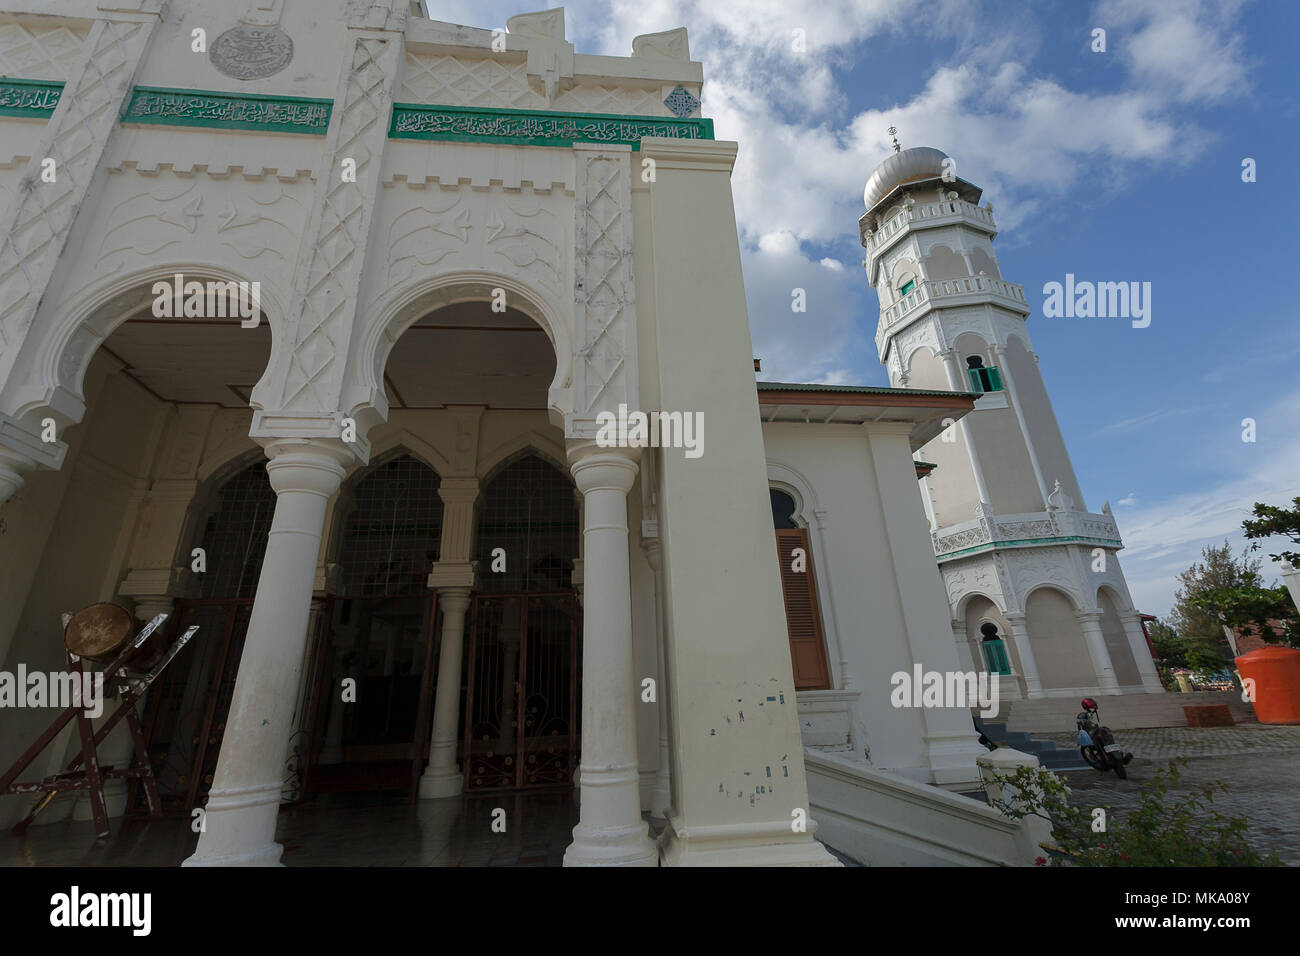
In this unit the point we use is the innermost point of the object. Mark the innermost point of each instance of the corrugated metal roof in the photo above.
(855, 389)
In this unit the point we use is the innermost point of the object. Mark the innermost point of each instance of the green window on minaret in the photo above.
(984, 379)
(908, 286)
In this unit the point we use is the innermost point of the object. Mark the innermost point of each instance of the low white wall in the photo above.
(880, 819)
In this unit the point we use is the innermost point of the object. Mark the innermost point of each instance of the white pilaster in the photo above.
(1090, 622)
(958, 384)
(661, 796)
(1009, 385)
(1137, 642)
(1029, 669)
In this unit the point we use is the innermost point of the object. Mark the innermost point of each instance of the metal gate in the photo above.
(185, 718)
(522, 698)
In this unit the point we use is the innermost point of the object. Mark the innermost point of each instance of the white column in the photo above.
(441, 777)
(1137, 642)
(1090, 621)
(610, 831)
(958, 383)
(661, 796)
(1029, 669)
(239, 826)
(965, 659)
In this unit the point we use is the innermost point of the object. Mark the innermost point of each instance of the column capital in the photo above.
(453, 600)
(314, 465)
(458, 490)
(22, 452)
(1088, 615)
(594, 467)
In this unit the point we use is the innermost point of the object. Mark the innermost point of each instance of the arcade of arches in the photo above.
(443, 647)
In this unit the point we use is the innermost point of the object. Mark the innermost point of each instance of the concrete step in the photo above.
(1050, 756)
(1119, 712)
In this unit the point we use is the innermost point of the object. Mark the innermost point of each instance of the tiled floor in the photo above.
(338, 830)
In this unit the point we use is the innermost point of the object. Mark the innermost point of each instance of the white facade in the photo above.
(381, 237)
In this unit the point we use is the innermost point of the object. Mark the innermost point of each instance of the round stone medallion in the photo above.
(251, 53)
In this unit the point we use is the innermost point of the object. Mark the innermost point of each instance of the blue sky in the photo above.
(1115, 166)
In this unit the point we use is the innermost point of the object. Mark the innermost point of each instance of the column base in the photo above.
(742, 844)
(436, 786)
(624, 846)
(661, 798)
(239, 828)
(266, 856)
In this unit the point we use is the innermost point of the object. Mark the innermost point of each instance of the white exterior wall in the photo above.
(882, 600)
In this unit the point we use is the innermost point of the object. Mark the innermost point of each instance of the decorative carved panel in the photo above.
(604, 297)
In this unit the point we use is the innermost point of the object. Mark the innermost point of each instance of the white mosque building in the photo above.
(460, 252)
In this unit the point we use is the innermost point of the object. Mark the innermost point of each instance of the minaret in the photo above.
(1011, 532)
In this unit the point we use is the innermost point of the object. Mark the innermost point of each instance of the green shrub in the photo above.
(1178, 829)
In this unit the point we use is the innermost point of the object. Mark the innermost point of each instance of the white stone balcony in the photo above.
(946, 294)
(1025, 530)
(875, 241)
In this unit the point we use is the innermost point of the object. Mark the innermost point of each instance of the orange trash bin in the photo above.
(1276, 673)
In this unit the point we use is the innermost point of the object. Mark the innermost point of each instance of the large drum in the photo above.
(99, 633)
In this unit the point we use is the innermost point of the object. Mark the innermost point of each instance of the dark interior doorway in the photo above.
(522, 702)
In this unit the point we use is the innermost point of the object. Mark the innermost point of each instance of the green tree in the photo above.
(1168, 645)
(1206, 647)
(1270, 520)
(1267, 613)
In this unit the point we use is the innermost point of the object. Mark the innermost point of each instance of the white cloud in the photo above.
(1128, 500)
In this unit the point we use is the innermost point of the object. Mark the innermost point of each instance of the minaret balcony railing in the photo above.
(930, 214)
(1035, 529)
(948, 293)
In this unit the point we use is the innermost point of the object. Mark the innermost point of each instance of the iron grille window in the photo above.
(234, 539)
(394, 530)
(529, 511)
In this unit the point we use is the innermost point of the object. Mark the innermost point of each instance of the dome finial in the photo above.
(893, 131)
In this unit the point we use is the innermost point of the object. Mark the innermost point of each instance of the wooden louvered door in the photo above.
(803, 620)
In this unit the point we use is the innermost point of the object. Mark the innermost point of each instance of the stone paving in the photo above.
(1259, 764)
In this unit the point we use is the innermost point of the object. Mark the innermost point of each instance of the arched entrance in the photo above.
(522, 703)
(373, 667)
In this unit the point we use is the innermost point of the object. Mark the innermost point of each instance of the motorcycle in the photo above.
(1097, 744)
